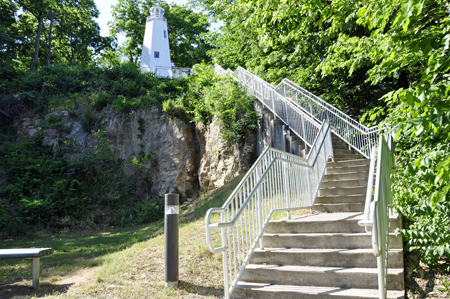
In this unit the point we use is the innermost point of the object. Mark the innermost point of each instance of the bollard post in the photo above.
(171, 240)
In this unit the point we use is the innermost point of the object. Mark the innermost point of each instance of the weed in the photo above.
(88, 119)
(444, 287)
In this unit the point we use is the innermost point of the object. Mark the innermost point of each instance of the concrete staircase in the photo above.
(325, 254)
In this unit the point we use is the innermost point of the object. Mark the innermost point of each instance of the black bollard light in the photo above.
(171, 240)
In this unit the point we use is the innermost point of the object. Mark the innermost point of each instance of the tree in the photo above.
(77, 35)
(38, 8)
(392, 56)
(279, 39)
(187, 30)
(7, 38)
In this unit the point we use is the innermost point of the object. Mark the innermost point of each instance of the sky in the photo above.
(105, 8)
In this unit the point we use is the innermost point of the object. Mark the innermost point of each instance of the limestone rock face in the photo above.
(172, 141)
(219, 163)
(186, 156)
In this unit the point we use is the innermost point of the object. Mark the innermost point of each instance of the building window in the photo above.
(156, 54)
(165, 36)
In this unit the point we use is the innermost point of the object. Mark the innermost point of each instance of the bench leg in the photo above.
(35, 272)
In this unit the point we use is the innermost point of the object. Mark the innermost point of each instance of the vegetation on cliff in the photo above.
(58, 187)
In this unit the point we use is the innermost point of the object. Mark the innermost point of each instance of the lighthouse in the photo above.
(155, 56)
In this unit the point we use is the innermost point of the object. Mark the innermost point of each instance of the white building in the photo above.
(155, 56)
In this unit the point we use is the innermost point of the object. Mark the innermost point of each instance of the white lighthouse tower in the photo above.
(155, 51)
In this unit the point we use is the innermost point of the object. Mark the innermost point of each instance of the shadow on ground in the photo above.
(21, 291)
(198, 289)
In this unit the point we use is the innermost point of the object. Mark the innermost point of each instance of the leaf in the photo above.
(439, 196)
(444, 163)
(417, 163)
(397, 130)
(410, 98)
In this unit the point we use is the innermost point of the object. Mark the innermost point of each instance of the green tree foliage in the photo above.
(409, 42)
(389, 59)
(77, 34)
(7, 34)
(280, 39)
(209, 95)
(187, 30)
(25, 26)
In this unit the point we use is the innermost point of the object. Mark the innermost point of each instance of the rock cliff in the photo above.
(186, 156)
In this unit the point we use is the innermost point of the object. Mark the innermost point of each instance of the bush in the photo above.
(43, 187)
(88, 119)
(211, 95)
(123, 87)
(416, 194)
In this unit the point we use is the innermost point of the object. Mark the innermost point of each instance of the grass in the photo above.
(73, 251)
(128, 263)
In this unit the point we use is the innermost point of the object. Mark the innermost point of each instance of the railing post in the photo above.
(287, 111)
(303, 129)
(260, 216)
(309, 186)
(286, 190)
(273, 103)
(262, 96)
(226, 286)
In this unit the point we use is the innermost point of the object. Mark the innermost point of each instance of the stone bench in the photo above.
(32, 253)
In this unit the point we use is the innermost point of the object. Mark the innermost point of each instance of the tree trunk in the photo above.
(50, 39)
(38, 38)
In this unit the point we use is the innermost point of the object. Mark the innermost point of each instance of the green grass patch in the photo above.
(129, 259)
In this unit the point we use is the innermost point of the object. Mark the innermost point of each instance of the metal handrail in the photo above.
(376, 212)
(299, 122)
(272, 184)
(356, 135)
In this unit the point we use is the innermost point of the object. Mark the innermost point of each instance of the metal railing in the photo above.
(278, 181)
(376, 212)
(358, 136)
(299, 122)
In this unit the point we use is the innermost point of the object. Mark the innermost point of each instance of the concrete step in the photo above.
(324, 223)
(322, 276)
(346, 175)
(253, 290)
(338, 207)
(340, 199)
(356, 162)
(333, 168)
(341, 146)
(341, 157)
(342, 190)
(328, 240)
(343, 183)
(363, 258)
(346, 151)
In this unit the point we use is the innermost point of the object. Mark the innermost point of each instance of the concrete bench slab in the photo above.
(30, 253)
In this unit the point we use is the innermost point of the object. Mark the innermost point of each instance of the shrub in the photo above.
(210, 95)
(88, 119)
(43, 187)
